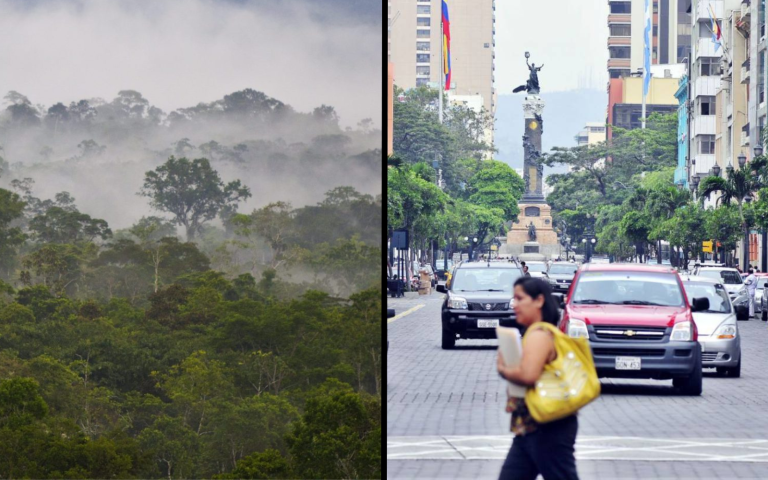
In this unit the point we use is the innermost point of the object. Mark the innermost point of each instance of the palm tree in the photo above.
(738, 185)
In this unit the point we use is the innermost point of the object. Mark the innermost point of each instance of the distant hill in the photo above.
(565, 114)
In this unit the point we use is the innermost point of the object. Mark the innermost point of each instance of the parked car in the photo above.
(638, 321)
(478, 299)
(537, 269)
(561, 275)
(762, 280)
(717, 327)
(732, 281)
(442, 272)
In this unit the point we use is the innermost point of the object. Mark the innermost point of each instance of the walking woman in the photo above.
(548, 448)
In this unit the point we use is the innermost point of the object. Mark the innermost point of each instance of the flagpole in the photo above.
(442, 74)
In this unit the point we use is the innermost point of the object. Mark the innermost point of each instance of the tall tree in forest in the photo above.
(192, 191)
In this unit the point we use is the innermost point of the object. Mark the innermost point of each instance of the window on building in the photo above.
(423, 21)
(421, 9)
(707, 144)
(655, 7)
(619, 73)
(619, 52)
(655, 53)
(422, 46)
(422, 58)
(620, 30)
(422, 33)
(422, 81)
(707, 105)
(621, 7)
(709, 66)
(655, 30)
(422, 71)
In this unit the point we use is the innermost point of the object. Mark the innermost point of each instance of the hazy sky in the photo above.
(178, 53)
(567, 36)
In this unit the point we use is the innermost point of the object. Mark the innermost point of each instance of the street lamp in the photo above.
(742, 160)
(729, 168)
(758, 149)
(716, 170)
(471, 246)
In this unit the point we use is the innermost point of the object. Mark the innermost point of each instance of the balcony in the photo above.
(618, 63)
(745, 72)
(706, 86)
(704, 162)
(746, 10)
(703, 125)
(706, 48)
(702, 10)
(619, 18)
(619, 41)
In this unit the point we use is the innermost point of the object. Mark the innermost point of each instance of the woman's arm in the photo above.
(536, 350)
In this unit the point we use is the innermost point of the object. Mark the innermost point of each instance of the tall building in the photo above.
(414, 45)
(670, 40)
(593, 133)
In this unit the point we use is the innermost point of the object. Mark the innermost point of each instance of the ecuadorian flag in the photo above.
(446, 46)
(716, 33)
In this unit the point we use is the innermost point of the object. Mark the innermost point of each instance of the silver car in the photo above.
(561, 275)
(717, 327)
(537, 269)
(731, 279)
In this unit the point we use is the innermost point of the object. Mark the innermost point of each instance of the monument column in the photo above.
(533, 172)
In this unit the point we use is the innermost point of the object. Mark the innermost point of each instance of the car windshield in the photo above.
(718, 297)
(485, 279)
(728, 277)
(536, 267)
(628, 288)
(562, 268)
(761, 281)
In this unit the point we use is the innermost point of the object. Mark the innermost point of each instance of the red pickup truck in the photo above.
(639, 323)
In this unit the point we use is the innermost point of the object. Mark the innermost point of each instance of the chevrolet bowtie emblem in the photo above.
(487, 306)
(630, 333)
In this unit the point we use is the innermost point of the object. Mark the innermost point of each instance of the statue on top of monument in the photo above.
(532, 85)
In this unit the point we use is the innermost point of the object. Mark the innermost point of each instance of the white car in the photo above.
(537, 269)
(718, 331)
(731, 279)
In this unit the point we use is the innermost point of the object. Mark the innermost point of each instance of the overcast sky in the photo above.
(567, 36)
(181, 52)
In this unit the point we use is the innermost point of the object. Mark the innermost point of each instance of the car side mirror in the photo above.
(390, 312)
(700, 304)
(441, 288)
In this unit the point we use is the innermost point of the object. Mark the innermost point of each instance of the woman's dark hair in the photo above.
(535, 287)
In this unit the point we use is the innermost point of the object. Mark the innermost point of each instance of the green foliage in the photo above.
(191, 191)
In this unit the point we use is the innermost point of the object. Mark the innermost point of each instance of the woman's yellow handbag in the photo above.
(567, 383)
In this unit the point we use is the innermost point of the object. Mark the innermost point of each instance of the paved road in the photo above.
(446, 419)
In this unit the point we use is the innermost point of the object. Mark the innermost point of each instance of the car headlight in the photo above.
(577, 329)
(457, 303)
(726, 331)
(682, 332)
(511, 303)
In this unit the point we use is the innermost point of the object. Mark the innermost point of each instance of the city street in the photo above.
(446, 419)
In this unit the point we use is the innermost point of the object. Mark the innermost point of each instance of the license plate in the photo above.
(487, 323)
(627, 363)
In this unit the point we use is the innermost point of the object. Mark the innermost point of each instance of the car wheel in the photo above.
(449, 340)
(690, 385)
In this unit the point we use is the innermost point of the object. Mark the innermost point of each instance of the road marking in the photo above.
(496, 447)
(407, 312)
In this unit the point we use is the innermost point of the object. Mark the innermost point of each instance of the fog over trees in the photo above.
(188, 294)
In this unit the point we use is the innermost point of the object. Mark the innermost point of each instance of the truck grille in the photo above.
(627, 352)
(494, 307)
(643, 334)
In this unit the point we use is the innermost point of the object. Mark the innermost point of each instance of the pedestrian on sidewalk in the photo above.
(751, 283)
(547, 448)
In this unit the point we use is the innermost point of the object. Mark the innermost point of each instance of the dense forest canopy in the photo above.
(191, 294)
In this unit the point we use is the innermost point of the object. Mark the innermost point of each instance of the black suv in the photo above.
(479, 298)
